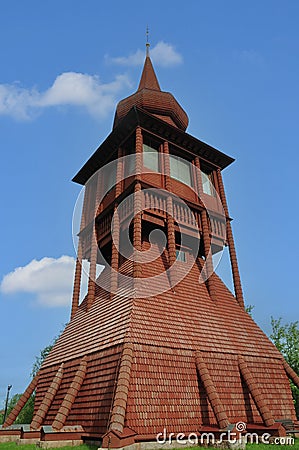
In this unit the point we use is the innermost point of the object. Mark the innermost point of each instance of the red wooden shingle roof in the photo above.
(165, 331)
(150, 98)
(186, 319)
(148, 79)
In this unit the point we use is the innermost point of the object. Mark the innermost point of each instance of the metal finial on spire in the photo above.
(147, 42)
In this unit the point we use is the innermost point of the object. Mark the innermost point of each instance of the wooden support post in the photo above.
(41, 413)
(118, 413)
(21, 403)
(210, 389)
(78, 268)
(137, 230)
(77, 280)
(119, 173)
(291, 373)
(92, 271)
(114, 253)
(115, 230)
(255, 392)
(138, 152)
(94, 247)
(137, 221)
(70, 396)
(169, 216)
(231, 244)
(210, 282)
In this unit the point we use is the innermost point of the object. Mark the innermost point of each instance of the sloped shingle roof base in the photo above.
(161, 385)
(142, 373)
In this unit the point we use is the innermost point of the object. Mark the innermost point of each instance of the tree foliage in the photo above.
(40, 358)
(286, 339)
(26, 413)
(249, 309)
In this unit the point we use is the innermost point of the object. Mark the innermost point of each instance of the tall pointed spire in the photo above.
(148, 78)
(150, 98)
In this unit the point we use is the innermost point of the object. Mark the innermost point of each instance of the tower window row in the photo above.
(179, 169)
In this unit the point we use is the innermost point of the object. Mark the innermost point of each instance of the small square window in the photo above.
(181, 256)
(180, 170)
(207, 184)
(150, 158)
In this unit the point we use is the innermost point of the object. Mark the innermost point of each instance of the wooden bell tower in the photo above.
(189, 197)
(159, 342)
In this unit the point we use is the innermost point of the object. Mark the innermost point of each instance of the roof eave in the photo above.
(136, 116)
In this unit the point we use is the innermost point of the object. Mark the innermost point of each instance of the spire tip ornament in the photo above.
(147, 42)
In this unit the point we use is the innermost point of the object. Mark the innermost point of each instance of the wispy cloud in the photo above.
(49, 280)
(69, 89)
(81, 90)
(163, 54)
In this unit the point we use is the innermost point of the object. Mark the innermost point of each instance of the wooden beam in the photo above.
(21, 403)
(291, 373)
(118, 413)
(209, 269)
(169, 217)
(70, 396)
(231, 244)
(255, 392)
(211, 391)
(47, 400)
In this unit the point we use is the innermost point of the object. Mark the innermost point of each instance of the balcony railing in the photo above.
(155, 203)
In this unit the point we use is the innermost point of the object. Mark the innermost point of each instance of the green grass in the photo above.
(14, 446)
(266, 446)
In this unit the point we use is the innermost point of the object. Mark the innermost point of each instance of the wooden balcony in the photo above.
(154, 209)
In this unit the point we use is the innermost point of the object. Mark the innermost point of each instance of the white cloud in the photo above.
(69, 89)
(134, 59)
(163, 54)
(49, 280)
(16, 101)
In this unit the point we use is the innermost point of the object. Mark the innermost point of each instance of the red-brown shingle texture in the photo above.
(165, 331)
(150, 98)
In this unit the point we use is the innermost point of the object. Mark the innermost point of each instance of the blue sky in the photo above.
(234, 68)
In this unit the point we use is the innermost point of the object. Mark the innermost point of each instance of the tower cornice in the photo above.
(138, 117)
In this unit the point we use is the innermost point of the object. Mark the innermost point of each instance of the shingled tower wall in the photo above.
(140, 353)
